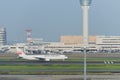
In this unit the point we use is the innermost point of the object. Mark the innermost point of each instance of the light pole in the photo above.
(85, 6)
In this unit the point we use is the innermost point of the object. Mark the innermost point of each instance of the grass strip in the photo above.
(34, 69)
(60, 67)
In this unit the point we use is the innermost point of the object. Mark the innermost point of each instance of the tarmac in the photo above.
(59, 77)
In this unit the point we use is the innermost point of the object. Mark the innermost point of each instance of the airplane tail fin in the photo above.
(19, 51)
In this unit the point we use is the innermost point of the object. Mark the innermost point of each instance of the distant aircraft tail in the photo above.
(19, 51)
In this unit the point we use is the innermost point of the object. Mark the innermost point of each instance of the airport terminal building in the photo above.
(75, 43)
(96, 43)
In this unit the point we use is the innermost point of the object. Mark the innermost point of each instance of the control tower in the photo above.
(85, 7)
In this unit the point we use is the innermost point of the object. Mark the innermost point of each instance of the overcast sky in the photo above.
(49, 19)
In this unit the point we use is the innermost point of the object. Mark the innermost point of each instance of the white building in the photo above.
(108, 42)
(3, 40)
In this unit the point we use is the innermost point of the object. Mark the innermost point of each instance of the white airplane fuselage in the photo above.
(46, 57)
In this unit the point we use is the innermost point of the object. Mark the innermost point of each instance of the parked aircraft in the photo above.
(3, 49)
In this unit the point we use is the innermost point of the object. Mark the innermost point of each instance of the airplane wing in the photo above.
(44, 59)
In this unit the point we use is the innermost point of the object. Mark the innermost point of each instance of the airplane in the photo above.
(4, 49)
(44, 56)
